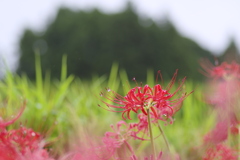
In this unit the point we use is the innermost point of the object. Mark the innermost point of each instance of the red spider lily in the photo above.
(158, 100)
(114, 146)
(22, 143)
(118, 137)
(159, 157)
(220, 152)
(218, 134)
(221, 132)
(4, 124)
(224, 95)
(26, 139)
(140, 129)
(222, 71)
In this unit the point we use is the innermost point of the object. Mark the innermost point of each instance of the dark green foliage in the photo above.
(93, 41)
(230, 54)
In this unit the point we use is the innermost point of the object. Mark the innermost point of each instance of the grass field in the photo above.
(65, 109)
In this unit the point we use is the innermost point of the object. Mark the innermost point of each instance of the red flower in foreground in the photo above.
(119, 135)
(22, 143)
(158, 100)
(4, 124)
(114, 146)
(218, 134)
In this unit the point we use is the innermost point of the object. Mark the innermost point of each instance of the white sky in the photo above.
(209, 22)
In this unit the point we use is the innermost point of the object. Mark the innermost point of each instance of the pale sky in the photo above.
(208, 22)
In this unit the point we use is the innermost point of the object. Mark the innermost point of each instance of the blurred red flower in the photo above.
(22, 143)
(222, 71)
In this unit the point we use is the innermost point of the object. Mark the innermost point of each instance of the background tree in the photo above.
(93, 41)
(231, 53)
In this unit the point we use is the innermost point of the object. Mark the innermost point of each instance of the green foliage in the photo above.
(230, 54)
(93, 41)
(67, 105)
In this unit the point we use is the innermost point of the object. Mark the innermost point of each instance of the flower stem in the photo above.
(164, 137)
(151, 135)
(130, 148)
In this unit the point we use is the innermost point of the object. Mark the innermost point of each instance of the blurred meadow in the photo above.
(64, 68)
(66, 108)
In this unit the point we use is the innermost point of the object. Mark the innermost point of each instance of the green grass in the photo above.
(70, 104)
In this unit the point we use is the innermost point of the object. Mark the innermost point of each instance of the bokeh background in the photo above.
(138, 34)
(63, 53)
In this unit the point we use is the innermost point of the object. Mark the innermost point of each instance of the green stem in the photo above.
(164, 137)
(151, 135)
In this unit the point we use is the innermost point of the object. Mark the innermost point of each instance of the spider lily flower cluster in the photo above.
(223, 71)
(224, 96)
(22, 143)
(151, 104)
(157, 100)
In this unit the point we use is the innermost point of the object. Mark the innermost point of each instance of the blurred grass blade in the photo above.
(39, 81)
(64, 68)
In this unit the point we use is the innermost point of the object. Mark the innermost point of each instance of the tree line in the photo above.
(93, 41)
